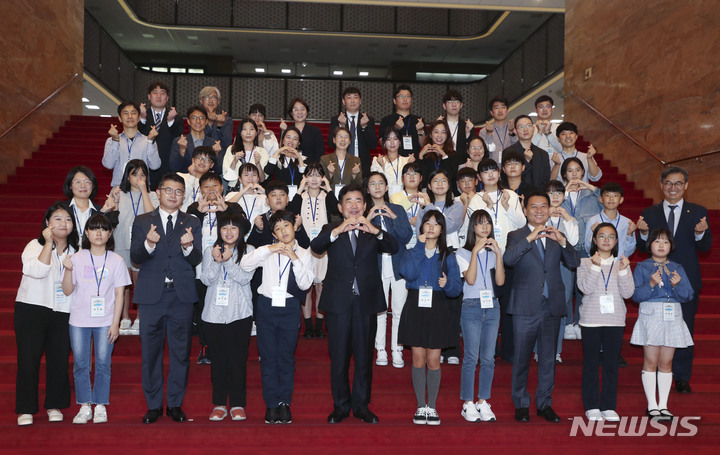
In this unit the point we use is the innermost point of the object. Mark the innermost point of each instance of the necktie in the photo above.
(168, 239)
(541, 249)
(671, 219)
(353, 242)
(158, 120)
(353, 135)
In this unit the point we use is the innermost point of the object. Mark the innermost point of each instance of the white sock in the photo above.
(649, 383)
(664, 383)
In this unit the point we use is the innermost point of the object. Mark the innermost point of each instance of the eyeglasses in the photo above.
(477, 148)
(403, 97)
(453, 102)
(202, 159)
(543, 106)
(606, 237)
(210, 97)
(524, 127)
(197, 117)
(82, 183)
(677, 185)
(169, 191)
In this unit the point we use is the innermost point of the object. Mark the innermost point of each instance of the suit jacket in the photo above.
(346, 178)
(530, 273)
(153, 267)
(164, 140)
(344, 267)
(390, 120)
(537, 171)
(367, 139)
(179, 163)
(686, 248)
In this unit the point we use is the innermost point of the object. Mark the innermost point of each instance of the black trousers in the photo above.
(197, 312)
(610, 339)
(683, 358)
(41, 330)
(228, 353)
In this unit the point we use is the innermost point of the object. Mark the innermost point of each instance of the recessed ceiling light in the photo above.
(556, 120)
(105, 115)
(532, 114)
(148, 35)
(285, 71)
(92, 106)
(259, 70)
(337, 73)
(363, 73)
(192, 37)
(85, 100)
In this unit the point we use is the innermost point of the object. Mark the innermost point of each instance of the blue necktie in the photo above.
(541, 250)
(353, 243)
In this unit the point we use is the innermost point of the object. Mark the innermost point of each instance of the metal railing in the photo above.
(41, 104)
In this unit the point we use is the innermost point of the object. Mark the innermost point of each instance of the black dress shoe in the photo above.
(548, 413)
(366, 415)
(284, 414)
(152, 415)
(682, 387)
(522, 414)
(176, 413)
(308, 333)
(337, 416)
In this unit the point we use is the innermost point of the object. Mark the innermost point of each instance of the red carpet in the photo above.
(23, 202)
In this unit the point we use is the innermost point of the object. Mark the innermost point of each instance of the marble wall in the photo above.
(654, 73)
(42, 48)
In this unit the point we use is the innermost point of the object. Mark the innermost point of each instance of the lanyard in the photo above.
(607, 281)
(251, 210)
(98, 281)
(292, 173)
(342, 167)
(80, 227)
(406, 120)
(313, 207)
(396, 171)
(502, 142)
(62, 267)
(570, 202)
(129, 142)
(669, 297)
(574, 155)
(436, 162)
(223, 266)
(412, 212)
(132, 202)
(249, 156)
(617, 222)
(553, 224)
(282, 272)
(426, 266)
(454, 134)
(210, 220)
(195, 192)
(482, 271)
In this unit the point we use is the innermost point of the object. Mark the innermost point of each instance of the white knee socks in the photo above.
(649, 383)
(664, 381)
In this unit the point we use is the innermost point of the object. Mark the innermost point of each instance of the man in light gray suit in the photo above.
(537, 302)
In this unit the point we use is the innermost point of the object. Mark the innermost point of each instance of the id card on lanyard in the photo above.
(279, 291)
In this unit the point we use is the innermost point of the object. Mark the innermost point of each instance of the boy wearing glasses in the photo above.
(166, 245)
(545, 136)
(412, 126)
(203, 161)
(181, 153)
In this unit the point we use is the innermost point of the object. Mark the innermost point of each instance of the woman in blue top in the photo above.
(480, 261)
(427, 321)
(393, 219)
(660, 287)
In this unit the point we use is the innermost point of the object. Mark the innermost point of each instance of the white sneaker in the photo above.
(558, 359)
(397, 358)
(25, 419)
(125, 327)
(578, 333)
(135, 329)
(610, 415)
(452, 360)
(420, 417)
(470, 413)
(382, 358)
(442, 359)
(594, 414)
(432, 416)
(54, 415)
(486, 413)
(253, 331)
(100, 414)
(569, 332)
(535, 356)
(84, 415)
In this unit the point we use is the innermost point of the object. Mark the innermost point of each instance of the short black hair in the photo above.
(661, 232)
(513, 156)
(98, 221)
(257, 108)
(543, 98)
(281, 215)
(173, 177)
(674, 170)
(414, 166)
(612, 187)
(351, 90)
(205, 150)
(538, 194)
(400, 88)
(198, 108)
(209, 176)
(125, 104)
(452, 94)
(316, 167)
(72, 238)
(274, 185)
(158, 84)
(466, 172)
(593, 245)
(497, 99)
(566, 126)
(522, 116)
(488, 164)
(67, 186)
(131, 168)
(248, 167)
(566, 163)
(294, 101)
(348, 189)
(554, 185)
(235, 218)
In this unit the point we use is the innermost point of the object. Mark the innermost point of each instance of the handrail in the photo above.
(589, 106)
(41, 104)
(698, 157)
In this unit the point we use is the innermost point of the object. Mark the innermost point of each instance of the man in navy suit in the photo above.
(361, 126)
(352, 297)
(537, 302)
(689, 224)
(167, 245)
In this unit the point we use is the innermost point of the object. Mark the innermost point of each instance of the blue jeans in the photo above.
(81, 343)
(480, 330)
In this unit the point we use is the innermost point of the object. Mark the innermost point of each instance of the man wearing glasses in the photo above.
(410, 125)
(544, 136)
(183, 147)
(537, 167)
(689, 226)
(166, 244)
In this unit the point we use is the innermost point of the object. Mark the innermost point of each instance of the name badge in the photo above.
(395, 188)
(491, 147)
(497, 230)
(97, 307)
(486, 299)
(669, 311)
(607, 304)
(209, 242)
(313, 232)
(292, 191)
(222, 296)
(278, 296)
(60, 296)
(407, 142)
(413, 240)
(425, 297)
(338, 187)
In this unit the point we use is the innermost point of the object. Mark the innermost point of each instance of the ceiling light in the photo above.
(337, 73)
(148, 35)
(286, 71)
(192, 37)
(196, 71)
(555, 121)
(259, 70)
(532, 114)
(105, 115)
(363, 73)
(85, 100)
(92, 106)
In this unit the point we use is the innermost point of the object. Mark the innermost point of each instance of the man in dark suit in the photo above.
(536, 171)
(689, 224)
(182, 148)
(167, 245)
(363, 138)
(164, 122)
(537, 302)
(352, 297)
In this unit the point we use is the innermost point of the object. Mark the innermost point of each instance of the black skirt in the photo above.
(433, 328)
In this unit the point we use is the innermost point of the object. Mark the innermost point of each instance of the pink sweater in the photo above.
(590, 282)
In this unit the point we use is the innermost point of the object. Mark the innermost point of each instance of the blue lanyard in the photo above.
(129, 141)
(482, 271)
(436, 162)
(572, 206)
(132, 202)
(412, 212)
(454, 134)
(292, 173)
(406, 120)
(99, 280)
(502, 142)
(249, 156)
(195, 192)
(617, 222)
(607, 281)
(249, 213)
(553, 224)
(210, 220)
(282, 272)
(62, 267)
(669, 297)
(396, 171)
(77, 219)
(426, 266)
(223, 266)
(313, 210)
(342, 167)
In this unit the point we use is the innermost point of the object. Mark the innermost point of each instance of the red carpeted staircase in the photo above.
(38, 183)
